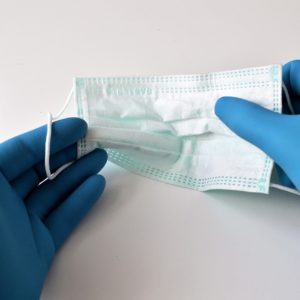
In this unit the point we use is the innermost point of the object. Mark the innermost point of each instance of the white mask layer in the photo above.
(165, 128)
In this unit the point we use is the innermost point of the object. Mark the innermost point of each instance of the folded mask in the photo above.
(165, 128)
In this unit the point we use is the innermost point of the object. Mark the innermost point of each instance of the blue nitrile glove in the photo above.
(278, 135)
(35, 220)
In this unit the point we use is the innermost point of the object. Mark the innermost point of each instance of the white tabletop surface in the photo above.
(147, 240)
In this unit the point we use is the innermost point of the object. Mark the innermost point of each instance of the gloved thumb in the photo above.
(276, 134)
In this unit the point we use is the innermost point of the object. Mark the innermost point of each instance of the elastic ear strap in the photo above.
(288, 99)
(50, 120)
(284, 188)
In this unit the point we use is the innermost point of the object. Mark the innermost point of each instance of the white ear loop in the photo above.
(51, 118)
(288, 99)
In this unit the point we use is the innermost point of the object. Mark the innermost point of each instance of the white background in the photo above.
(144, 239)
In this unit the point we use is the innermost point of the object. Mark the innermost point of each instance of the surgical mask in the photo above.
(165, 128)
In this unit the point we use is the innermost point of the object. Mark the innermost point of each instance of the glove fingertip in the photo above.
(223, 106)
(98, 184)
(71, 125)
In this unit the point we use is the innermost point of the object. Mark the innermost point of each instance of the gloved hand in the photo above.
(278, 135)
(35, 220)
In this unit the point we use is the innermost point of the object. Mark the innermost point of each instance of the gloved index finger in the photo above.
(24, 151)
